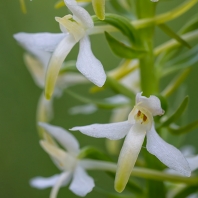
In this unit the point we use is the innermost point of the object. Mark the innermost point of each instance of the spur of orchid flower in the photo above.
(140, 124)
(73, 169)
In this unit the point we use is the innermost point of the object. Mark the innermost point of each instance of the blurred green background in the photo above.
(21, 156)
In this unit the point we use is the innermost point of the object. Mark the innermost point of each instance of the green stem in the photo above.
(139, 172)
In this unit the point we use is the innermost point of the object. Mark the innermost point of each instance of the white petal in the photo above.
(166, 153)
(59, 55)
(80, 13)
(89, 65)
(152, 103)
(82, 183)
(44, 182)
(62, 180)
(128, 156)
(67, 140)
(83, 109)
(43, 41)
(112, 131)
(193, 162)
(69, 79)
(117, 99)
(44, 109)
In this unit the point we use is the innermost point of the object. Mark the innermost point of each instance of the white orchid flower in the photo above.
(67, 162)
(140, 124)
(75, 29)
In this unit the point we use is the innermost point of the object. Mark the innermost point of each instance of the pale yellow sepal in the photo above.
(67, 23)
(23, 7)
(99, 8)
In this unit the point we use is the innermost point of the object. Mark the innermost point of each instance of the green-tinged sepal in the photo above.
(176, 130)
(176, 82)
(122, 50)
(93, 153)
(97, 103)
(99, 8)
(174, 35)
(177, 114)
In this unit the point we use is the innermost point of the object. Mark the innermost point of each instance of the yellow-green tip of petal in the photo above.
(59, 4)
(119, 186)
(23, 7)
(99, 8)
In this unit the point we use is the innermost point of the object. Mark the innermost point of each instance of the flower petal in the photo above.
(89, 65)
(59, 55)
(82, 183)
(66, 139)
(62, 180)
(166, 153)
(44, 182)
(152, 103)
(83, 109)
(80, 13)
(128, 156)
(193, 162)
(112, 131)
(43, 41)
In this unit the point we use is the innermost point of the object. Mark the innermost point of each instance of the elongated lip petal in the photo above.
(113, 131)
(128, 156)
(152, 103)
(166, 153)
(42, 41)
(82, 15)
(63, 179)
(89, 65)
(67, 140)
(44, 182)
(60, 53)
(82, 183)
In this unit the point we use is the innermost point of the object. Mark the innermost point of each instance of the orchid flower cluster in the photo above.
(140, 112)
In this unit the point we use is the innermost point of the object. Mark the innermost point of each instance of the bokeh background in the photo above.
(21, 156)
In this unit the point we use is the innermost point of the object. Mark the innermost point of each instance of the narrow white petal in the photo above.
(44, 182)
(89, 65)
(80, 13)
(112, 131)
(83, 109)
(63, 179)
(66, 139)
(43, 41)
(82, 183)
(193, 162)
(59, 55)
(128, 156)
(152, 103)
(166, 153)
(69, 79)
